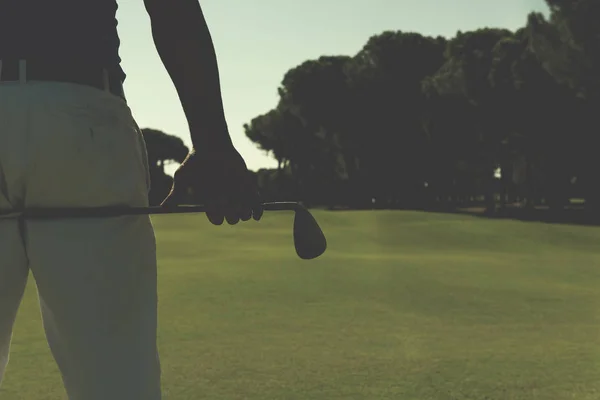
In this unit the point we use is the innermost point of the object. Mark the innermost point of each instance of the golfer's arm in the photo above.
(185, 46)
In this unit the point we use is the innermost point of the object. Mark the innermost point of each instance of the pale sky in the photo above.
(258, 41)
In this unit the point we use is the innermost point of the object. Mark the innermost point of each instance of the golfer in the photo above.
(68, 139)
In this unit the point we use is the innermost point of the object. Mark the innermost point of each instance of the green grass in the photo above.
(404, 305)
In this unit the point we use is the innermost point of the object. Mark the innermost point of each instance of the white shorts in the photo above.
(64, 145)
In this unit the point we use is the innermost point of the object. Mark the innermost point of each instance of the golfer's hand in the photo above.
(224, 184)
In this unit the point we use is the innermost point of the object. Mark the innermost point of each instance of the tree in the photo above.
(537, 111)
(463, 97)
(315, 92)
(162, 150)
(450, 135)
(283, 134)
(411, 116)
(568, 46)
(386, 104)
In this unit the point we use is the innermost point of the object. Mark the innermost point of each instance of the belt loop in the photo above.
(22, 71)
(105, 80)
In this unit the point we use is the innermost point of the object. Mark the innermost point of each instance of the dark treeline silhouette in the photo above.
(492, 115)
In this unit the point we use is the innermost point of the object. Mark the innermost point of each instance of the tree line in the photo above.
(411, 121)
(415, 121)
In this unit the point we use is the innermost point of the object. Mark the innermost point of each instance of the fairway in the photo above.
(403, 305)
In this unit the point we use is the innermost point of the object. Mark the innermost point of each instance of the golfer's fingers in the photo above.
(246, 214)
(252, 202)
(231, 207)
(232, 214)
(251, 206)
(214, 212)
(218, 213)
(215, 218)
(239, 208)
(257, 212)
(256, 205)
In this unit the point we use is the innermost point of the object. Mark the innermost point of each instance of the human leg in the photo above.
(96, 278)
(13, 261)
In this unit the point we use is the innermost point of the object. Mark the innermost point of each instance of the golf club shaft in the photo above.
(90, 212)
(309, 240)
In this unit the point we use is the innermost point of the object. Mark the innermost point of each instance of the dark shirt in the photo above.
(75, 31)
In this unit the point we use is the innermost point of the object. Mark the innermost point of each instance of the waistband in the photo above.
(38, 70)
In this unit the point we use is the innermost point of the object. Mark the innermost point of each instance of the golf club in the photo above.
(309, 239)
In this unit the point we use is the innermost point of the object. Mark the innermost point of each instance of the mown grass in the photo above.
(404, 305)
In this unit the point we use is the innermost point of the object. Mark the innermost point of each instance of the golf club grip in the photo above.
(100, 212)
(273, 206)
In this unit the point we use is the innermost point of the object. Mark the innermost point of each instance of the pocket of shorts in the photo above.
(122, 141)
(86, 153)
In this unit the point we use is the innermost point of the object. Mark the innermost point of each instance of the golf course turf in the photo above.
(403, 305)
